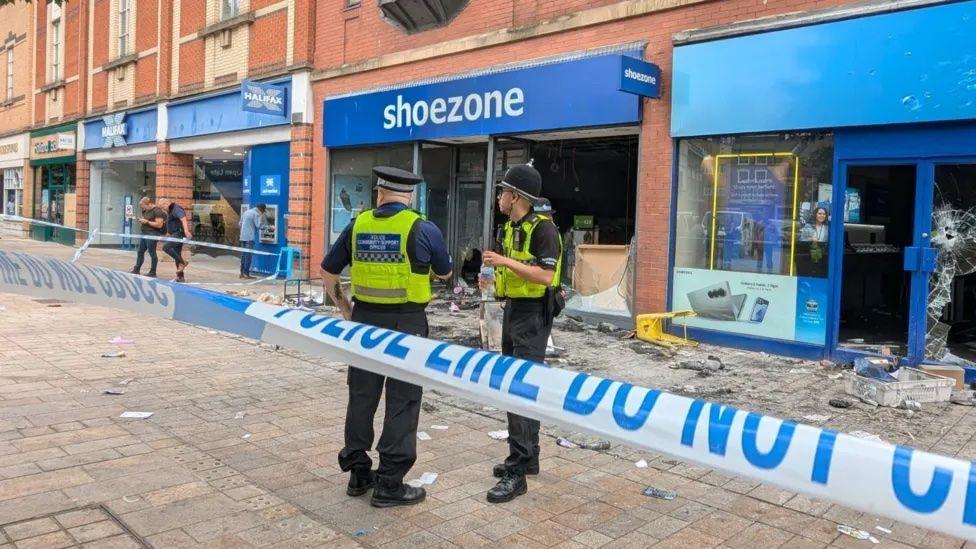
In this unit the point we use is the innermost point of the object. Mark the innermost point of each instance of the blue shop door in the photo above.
(904, 273)
(907, 264)
(266, 175)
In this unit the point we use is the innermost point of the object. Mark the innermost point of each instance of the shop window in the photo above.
(229, 9)
(10, 74)
(124, 12)
(353, 180)
(55, 50)
(217, 199)
(13, 185)
(752, 233)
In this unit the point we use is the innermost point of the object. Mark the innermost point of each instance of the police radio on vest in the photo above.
(472, 107)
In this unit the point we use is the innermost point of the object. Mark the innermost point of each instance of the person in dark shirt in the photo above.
(177, 226)
(152, 222)
(527, 275)
(391, 252)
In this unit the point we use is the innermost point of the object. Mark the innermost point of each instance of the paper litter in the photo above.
(642, 464)
(126, 381)
(422, 435)
(499, 435)
(882, 529)
(119, 354)
(439, 427)
(866, 436)
(239, 415)
(852, 532)
(425, 479)
(816, 418)
(137, 415)
(246, 435)
(114, 391)
(119, 340)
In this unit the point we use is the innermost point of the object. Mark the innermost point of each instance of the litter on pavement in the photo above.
(499, 435)
(137, 415)
(659, 493)
(642, 464)
(425, 479)
(439, 427)
(114, 391)
(119, 340)
(852, 532)
(422, 435)
(118, 354)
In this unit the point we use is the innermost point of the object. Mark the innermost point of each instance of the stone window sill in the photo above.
(232, 23)
(53, 86)
(120, 62)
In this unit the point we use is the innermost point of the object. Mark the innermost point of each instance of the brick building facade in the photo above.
(167, 77)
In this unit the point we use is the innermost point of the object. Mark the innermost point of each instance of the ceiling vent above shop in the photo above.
(420, 15)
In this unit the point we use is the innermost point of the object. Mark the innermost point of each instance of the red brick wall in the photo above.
(193, 16)
(40, 60)
(146, 24)
(655, 163)
(192, 65)
(268, 44)
(174, 175)
(146, 78)
(83, 192)
(300, 203)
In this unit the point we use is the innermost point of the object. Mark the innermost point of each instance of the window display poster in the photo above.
(351, 194)
(761, 305)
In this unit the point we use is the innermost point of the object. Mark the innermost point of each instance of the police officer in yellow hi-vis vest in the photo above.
(391, 252)
(527, 277)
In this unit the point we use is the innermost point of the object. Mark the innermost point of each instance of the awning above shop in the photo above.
(577, 92)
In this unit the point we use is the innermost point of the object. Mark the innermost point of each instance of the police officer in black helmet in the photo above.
(391, 252)
(527, 273)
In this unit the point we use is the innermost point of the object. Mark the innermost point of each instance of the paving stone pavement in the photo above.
(241, 452)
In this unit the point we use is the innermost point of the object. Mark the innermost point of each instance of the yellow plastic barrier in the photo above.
(650, 328)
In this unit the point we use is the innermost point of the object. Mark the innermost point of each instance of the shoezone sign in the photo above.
(898, 482)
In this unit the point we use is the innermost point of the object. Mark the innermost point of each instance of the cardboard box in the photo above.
(947, 370)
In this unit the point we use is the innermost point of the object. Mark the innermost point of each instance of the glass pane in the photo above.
(436, 162)
(951, 326)
(217, 198)
(353, 180)
(878, 226)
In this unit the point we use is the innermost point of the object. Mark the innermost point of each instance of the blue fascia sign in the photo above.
(270, 185)
(640, 77)
(559, 95)
(263, 98)
(114, 130)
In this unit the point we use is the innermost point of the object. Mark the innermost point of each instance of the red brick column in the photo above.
(82, 195)
(300, 194)
(174, 176)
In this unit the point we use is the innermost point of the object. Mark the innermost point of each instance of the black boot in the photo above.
(360, 482)
(498, 471)
(387, 494)
(508, 488)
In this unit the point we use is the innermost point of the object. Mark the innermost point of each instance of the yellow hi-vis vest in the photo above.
(380, 270)
(507, 283)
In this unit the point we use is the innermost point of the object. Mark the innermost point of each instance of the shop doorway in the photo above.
(56, 204)
(878, 224)
(908, 277)
(455, 200)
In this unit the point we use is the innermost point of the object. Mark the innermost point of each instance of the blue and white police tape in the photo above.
(897, 482)
(17, 218)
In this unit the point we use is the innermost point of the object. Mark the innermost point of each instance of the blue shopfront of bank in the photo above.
(257, 114)
(826, 179)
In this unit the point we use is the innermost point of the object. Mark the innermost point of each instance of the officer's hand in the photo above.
(492, 259)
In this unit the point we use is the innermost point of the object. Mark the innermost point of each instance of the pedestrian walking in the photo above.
(527, 277)
(391, 252)
(252, 223)
(152, 221)
(177, 226)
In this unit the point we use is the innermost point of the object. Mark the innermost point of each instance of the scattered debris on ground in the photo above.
(117, 354)
(660, 493)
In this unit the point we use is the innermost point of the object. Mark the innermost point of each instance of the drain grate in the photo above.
(72, 528)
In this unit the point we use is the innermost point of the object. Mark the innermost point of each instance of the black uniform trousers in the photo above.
(525, 333)
(398, 442)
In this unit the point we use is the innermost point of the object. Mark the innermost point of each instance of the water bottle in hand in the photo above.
(486, 281)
